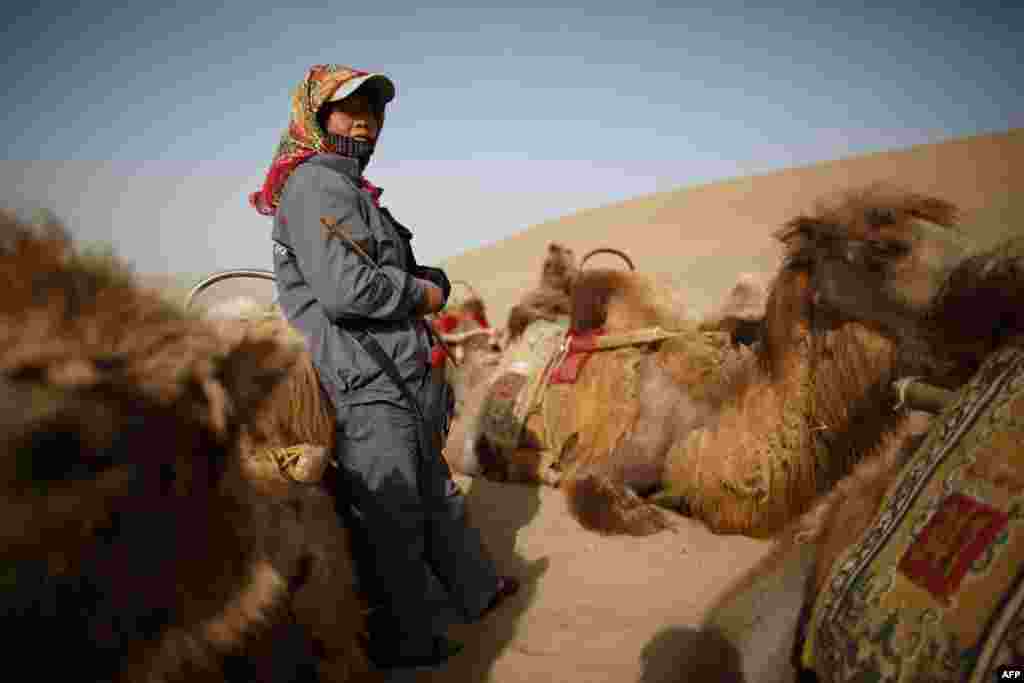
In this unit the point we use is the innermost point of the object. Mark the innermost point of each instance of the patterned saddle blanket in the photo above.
(516, 382)
(933, 590)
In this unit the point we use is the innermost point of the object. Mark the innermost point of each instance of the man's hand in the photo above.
(433, 301)
(437, 276)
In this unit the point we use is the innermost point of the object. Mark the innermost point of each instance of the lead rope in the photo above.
(290, 455)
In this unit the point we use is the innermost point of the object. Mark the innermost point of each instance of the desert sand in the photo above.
(592, 609)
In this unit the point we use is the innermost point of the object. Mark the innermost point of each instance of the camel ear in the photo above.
(252, 369)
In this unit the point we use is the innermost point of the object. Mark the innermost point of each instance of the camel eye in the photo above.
(879, 217)
(890, 249)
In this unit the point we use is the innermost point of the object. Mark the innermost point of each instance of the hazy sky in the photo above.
(149, 125)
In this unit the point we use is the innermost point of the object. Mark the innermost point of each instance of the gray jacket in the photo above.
(324, 285)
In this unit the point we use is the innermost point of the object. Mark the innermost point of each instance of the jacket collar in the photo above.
(347, 166)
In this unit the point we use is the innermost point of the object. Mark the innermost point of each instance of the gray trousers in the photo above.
(418, 561)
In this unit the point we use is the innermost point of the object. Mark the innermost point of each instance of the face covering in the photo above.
(359, 150)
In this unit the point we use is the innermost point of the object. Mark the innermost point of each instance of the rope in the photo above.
(286, 456)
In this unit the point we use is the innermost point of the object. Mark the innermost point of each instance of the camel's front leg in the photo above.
(534, 466)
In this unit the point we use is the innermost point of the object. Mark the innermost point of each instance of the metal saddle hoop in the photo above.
(219, 276)
(608, 250)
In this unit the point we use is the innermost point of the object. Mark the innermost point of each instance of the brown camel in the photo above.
(812, 401)
(907, 570)
(694, 419)
(134, 543)
(570, 432)
(803, 407)
(463, 326)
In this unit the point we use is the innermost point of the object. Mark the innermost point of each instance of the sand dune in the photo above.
(702, 237)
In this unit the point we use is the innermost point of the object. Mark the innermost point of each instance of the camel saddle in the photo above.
(577, 349)
(934, 588)
(550, 353)
(578, 346)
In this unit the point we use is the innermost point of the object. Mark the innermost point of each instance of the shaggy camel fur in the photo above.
(794, 418)
(706, 432)
(816, 398)
(297, 412)
(758, 616)
(583, 433)
(712, 414)
(133, 542)
(922, 284)
(880, 256)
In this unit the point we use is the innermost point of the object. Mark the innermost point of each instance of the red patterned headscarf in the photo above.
(303, 138)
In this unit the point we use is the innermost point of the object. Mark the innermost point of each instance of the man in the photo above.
(348, 280)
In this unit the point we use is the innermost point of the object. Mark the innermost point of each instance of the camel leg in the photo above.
(547, 468)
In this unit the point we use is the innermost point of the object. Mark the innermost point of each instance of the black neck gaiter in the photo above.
(354, 149)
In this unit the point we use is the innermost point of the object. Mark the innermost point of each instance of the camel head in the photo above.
(465, 329)
(877, 255)
(742, 313)
(119, 417)
(559, 270)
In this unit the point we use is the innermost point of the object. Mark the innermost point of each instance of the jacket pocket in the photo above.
(351, 367)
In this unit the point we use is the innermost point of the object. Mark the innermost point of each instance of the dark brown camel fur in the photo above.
(134, 543)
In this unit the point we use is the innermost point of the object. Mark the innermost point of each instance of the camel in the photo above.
(477, 348)
(474, 345)
(697, 431)
(551, 300)
(795, 415)
(807, 403)
(692, 420)
(908, 569)
(135, 543)
(545, 417)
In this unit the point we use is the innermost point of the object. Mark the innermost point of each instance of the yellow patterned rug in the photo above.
(516, 382)
(933, 589)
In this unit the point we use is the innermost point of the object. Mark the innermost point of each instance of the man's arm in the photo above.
(433, 300)
(347, 284)
(437, 277)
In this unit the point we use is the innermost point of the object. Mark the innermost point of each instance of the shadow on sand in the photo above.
(685, 653)
(499, 511)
